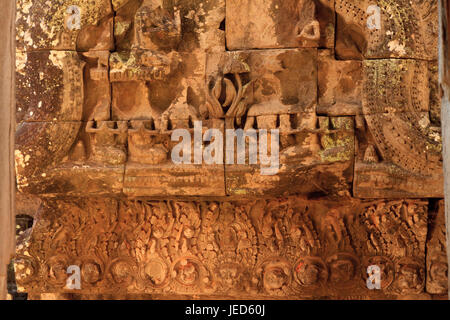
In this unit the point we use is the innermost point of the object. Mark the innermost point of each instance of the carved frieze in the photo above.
(151, 171)
(277, 248)
(230, 149)
(49, 86)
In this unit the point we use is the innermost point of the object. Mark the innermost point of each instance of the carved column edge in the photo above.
(7, 129)
(444, 79)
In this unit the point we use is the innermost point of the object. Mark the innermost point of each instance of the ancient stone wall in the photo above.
(350, 89)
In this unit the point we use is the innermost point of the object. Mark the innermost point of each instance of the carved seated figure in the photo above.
(145, 145)
(152, 58)
(108, 141)
(308, 28)
(297, 138)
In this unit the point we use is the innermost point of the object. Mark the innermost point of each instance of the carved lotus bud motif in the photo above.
(228, 94)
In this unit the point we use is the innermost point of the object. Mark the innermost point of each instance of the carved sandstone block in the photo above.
(49, 86)
(277, 248)
(340, 85)
(70, 158)
(152, 170)
(394, 240)
(396, 86)
(78, 25)
(261, 82)
(188, 26)
(41, 145)
(62, 86)
(97, 86)
(279, 24)
(398, 157)
(315, 156)
(386, 29)
(147, 84)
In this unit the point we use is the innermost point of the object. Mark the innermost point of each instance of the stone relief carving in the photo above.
(101, 88)
(283, 247)
(399, 20)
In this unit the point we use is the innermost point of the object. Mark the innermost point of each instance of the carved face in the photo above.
(275, 278)
(229, 275)
(91, 272)
(438, 271)
(188, 232)
(121, 272)
(155, 272)
(308, 274)
(186, 272)
(58, 271)
(409, 277)
(386, 268)
(228, 239)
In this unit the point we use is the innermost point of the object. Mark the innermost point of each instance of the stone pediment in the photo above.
(231, 148)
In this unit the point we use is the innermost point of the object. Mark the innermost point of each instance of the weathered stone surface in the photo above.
(266, 248)
(150, 170)
(340, 85)
(396, 86)
(64, 24)
(279, 24)
(49, 86)
(437, 267)
(405, 29)
(40, 145)
(270, 82)
(316, 156)
(146, 84)
(70, 158)
(280, 163)
(397, 157)
(62, 86)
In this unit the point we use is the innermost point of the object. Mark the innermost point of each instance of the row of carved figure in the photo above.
(283, 247)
